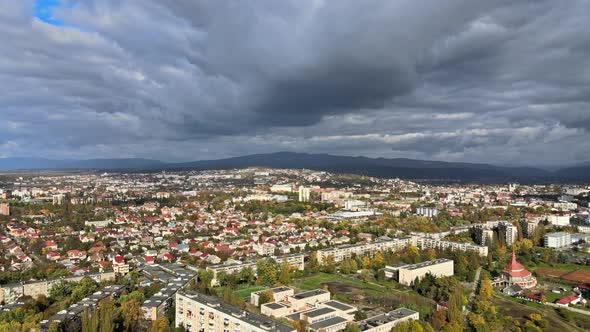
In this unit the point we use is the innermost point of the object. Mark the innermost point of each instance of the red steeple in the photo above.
(514, 268)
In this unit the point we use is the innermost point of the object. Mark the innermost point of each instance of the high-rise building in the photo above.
(59, 199)
(428, 212)
(510, 231)
(304, 194)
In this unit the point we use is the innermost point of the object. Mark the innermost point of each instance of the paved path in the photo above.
(473, 288)
(580, 311)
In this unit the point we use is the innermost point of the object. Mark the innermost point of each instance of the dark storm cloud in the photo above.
(493, 81)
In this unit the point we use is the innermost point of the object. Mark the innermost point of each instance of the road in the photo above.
(580, 311)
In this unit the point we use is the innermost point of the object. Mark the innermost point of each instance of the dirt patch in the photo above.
(339, 288)
(580, 276)
(549, 272)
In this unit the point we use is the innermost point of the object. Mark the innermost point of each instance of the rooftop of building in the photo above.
(327, 323)
(385, 318)
(245, 316)
(311, 293)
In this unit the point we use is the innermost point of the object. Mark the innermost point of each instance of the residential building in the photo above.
(557, 240)
(424, 243)
(198, 312)
(304, 194)
(425, 211)
(340, 253)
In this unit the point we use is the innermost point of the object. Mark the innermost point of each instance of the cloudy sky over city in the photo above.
(503, 82)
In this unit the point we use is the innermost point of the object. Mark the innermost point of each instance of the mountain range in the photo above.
(379, 167)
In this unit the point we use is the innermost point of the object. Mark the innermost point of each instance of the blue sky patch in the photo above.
(44, 11)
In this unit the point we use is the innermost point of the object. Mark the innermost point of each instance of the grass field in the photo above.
(367, 296)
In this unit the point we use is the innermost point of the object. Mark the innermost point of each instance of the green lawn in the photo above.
(552, 297)
(317, 280)
(245, 292)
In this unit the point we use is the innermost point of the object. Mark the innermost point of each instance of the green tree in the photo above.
(159, 325)
(267, 270)
(53, 327)
(285, 273)
(85, 288)
(351, 327)
(106, 309)
(313, 265)
(265, 297)
(131, 311)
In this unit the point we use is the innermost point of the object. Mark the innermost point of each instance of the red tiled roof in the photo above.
(567, 299)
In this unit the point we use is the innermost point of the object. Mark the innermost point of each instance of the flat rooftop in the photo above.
(339, 305)
(420, 265)
(319, 312)
(245, 316)
(274, 305)
(379, 320)
(327, 323)
(311, 293)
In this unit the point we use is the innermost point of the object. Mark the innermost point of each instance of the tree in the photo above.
(454, 313)
(247, 275)
(61, 290)
(267, 269)
(205, 277)
(53, 327)
(348, 266)
(106, 309)
(485, 289)
(352, 327)
(86, 287)
(265, 297)
(159, 325)
(377, 262)
(285, 274)
(329, 265)
(89, 320)
(313, 265)
(132, 314)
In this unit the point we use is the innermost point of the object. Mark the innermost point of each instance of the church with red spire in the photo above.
(515, 274)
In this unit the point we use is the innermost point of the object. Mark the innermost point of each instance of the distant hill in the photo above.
(378, 167)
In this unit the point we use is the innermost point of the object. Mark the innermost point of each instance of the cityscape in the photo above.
(261, 249)
(294, 166)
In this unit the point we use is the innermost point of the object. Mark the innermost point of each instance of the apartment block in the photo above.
(198, 312)
(296, 261)
(528, 227)
(428, 212)
(425, 243)
(557, 240)
(343, 252)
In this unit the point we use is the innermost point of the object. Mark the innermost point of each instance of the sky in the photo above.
(495, 81)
